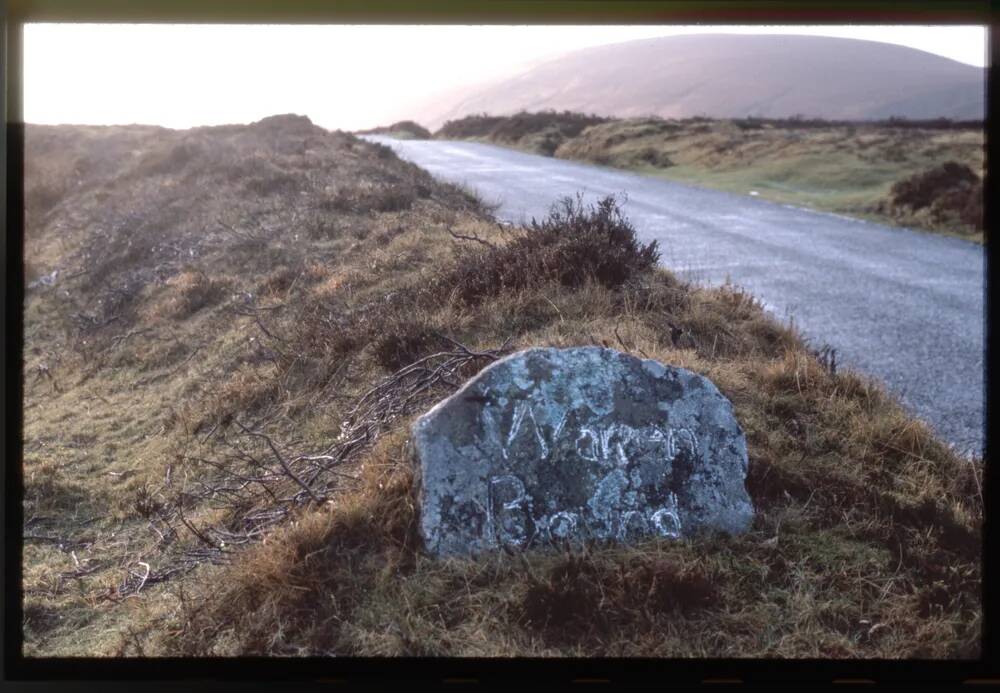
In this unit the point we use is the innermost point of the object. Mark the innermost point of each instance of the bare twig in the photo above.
(254, 488)
(122, 338)
(475, 238)
(145, 576)
(199, 535)
(281, 460)
(253, 312)
(620, 340)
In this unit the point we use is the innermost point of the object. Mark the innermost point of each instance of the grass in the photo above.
(866, 541)
(841, 167)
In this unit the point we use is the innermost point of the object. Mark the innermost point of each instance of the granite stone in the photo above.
(548, 446)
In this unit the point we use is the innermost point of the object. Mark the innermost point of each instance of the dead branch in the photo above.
(122, 338)
(474, 237)
(82, 571)
(199, 535)
(281, 460)
(827, 357)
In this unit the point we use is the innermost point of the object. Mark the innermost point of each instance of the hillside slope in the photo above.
(159, 262)
(734, 76)
(229, 331)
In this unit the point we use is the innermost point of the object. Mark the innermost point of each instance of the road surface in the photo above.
(901, 305)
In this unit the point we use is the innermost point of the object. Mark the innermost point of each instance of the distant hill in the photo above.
(733, 76)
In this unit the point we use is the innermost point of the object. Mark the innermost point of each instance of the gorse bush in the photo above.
(920, 190)
(413, 128)
(516, 127)
(469, 126)
(573, 245)
(541, 132)
(598, 237)
(965, 203)
(566, 124)
(951, 191)
(403, 127)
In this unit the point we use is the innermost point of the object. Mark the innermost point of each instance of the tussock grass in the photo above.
(187, 293)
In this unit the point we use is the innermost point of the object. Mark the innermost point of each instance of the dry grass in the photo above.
(859, 549)
(867, 536)
(171, 276)
(187, 293)
(865, 545)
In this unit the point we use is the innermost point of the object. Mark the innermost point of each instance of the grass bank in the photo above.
(856, 169)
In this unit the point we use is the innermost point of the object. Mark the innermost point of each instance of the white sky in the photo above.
(341, 76)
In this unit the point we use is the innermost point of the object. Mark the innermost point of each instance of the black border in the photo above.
(119, 673)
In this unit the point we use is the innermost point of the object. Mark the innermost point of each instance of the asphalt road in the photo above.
(901, 305)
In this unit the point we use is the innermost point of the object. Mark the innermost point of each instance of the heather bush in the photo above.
(573, 245)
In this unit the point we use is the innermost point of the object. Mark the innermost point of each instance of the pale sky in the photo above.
(341, 76)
